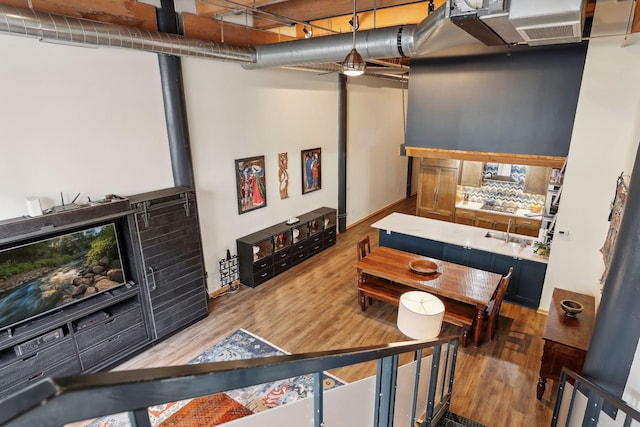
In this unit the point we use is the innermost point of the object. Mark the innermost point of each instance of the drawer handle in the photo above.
(263, 275)
(283, 255)
(36, 376)
(283, 264)
(264, 264)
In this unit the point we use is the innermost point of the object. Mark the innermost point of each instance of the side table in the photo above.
(566, 339)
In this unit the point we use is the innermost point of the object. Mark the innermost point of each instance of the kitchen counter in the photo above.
(520, 213)
(456, 234)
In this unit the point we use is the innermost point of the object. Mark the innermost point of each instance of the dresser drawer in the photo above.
(262, 275)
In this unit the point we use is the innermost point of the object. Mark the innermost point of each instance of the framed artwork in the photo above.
(250, 184)
(311, 170)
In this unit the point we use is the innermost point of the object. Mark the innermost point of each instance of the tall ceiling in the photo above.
(253, 22)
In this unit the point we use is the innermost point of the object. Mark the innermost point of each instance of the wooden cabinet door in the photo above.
(537, 180)
(427, 186)
(466, 217)
(437, 192)
(503, 223)
(528, 227)
(471, 175)
(446, 194)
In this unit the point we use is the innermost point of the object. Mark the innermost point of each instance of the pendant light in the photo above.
(353, 64)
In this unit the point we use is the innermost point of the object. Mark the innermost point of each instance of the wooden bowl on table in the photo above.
(423, 266)
(571, 307)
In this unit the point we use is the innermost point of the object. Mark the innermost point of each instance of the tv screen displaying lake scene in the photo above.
(41, 276)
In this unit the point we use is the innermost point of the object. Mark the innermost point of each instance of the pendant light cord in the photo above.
(353, 27)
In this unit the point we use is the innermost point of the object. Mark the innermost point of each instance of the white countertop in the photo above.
(477, 206)
(457, 234)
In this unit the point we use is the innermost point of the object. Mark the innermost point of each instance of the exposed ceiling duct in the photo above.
(457, 23)
(68, 30)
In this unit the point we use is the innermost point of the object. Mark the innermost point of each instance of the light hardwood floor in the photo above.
(314, 306)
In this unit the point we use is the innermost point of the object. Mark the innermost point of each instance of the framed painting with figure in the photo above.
(311, 170)
(250, 184)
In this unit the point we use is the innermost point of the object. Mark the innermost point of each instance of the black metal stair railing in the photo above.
(587, 403)
(58, 401)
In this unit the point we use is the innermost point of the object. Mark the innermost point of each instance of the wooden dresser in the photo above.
(566, 339)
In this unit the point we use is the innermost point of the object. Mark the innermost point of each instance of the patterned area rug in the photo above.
(219, 408)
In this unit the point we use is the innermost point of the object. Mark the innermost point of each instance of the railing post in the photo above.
(318, 389)
(416, 385)
(139, 418)
(386, 391)
(433, 382)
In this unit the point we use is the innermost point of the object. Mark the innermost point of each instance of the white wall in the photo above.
(376, 174)
(234, 113)
(604, 142)
(78, 120)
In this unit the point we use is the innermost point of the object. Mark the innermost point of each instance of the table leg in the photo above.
(478, 328)
(361, 295)
(542, 384)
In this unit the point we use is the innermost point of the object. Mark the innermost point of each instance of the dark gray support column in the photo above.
(174, 105)
(617, 329)
(342, 153)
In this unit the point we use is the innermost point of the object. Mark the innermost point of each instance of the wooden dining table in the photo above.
(454, 281)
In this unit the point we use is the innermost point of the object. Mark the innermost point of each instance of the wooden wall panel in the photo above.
(214, 30)
(122, 12)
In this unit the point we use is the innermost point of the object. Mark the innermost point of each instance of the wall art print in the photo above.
(311, 170)
(283, 174)
(250, 184)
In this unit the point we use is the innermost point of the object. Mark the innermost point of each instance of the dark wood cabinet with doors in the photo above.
(269, 252)
(166, 233)
(566, 339)
(85, 335)
(437, 189)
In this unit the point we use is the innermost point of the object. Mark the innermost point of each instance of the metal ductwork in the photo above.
(453, 25)
(69, 30)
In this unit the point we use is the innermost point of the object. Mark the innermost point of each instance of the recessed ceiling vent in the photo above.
(548, 21)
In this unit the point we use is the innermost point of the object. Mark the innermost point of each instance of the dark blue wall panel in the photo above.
(520, 103)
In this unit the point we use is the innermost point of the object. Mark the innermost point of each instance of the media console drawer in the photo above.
(100, 352)
(26, 366)
(107, 327)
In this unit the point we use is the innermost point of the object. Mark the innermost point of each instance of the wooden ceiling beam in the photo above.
(306, 10)
(121, 12)
(399, 15)
(204, 28)
(211, 8)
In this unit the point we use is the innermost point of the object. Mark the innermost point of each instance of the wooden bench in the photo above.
(455, 312)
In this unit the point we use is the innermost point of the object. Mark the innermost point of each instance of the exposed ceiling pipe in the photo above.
(390, 42)
(65, 29)
(378, 43)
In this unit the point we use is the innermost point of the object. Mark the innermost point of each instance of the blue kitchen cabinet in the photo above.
(466, 256)
(416, 245)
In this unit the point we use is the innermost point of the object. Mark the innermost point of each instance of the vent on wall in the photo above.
(561, 32)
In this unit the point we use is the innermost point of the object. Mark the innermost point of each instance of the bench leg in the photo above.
(465, 337)
(363, 300)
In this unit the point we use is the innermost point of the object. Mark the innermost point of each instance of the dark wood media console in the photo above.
(166, 290)
(268, 252)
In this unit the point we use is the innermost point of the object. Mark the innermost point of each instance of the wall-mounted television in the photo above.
(44, 275)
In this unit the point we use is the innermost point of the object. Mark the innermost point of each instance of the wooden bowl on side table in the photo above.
(571, 307)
